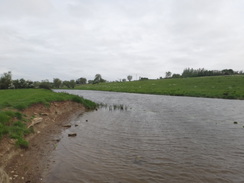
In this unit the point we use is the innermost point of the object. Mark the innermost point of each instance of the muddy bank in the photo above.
(26, 165)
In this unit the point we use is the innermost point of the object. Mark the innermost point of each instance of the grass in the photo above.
(23, 98)
(12, 102)
(227, 87)
(13, 124)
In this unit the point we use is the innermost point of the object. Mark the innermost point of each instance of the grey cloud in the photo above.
(116, 38)
(16, 9)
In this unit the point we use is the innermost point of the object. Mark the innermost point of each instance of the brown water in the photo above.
(157, 139)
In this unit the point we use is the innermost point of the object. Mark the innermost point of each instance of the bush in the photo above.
(45, 86)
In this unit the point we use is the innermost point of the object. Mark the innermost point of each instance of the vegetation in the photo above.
(98, 79)
(228, 87)
(5, 80)
(13, 124)
(190, 72)
(129, 78)
(21, 99)
(12, 102)
(81, 81)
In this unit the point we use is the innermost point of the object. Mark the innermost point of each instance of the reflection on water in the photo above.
(157, 139)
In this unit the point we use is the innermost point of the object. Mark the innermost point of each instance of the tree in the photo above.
(45, 84)
(168, 74)
(57, 83)
(72, 83)
(67, 84)
(90, 81)
(98, 79)
(176, 76)
(129, 78)
(22, 83)
(81, 81)
(6, 80)
(16, 84)
(142, 78)
(227, 72)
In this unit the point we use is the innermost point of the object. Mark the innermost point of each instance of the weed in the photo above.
(18, 115)
(22, 143)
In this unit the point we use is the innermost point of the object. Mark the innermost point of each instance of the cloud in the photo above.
(43, 39)
(16, 9)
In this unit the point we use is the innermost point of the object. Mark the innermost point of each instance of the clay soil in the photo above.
(27, 165)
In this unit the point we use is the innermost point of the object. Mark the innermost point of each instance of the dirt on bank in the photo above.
(27, 165)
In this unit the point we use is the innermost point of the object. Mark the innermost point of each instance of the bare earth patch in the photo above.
(26, 165)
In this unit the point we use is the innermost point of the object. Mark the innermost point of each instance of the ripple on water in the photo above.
(157, 139)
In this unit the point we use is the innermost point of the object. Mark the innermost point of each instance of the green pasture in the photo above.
(227, 87)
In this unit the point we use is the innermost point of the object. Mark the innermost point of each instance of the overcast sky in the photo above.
(68, 39)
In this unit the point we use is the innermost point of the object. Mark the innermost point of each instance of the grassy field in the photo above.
(13, 122)
(227, 87)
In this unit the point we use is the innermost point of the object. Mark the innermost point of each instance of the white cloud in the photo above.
(43, 39)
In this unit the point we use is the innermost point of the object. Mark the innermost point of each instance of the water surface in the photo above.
(155, 139)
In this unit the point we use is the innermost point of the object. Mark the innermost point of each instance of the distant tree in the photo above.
(240, 72)
(176, 76)
(123, 80)
(129, 78)
(45, 84)
(57, 83)
(16, 84)
(168, 74)
(6, 80)
(36, 84)
(90, 81)
(72, 83)
(29, 84)
(228, 72)
(142, 78)
(98, 79)
(11, 86)
(190, 72)
(81, 81)
(67, 84)
(22, 83)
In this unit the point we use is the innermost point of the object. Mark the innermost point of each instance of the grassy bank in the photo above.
(227, 87)
(12, 102)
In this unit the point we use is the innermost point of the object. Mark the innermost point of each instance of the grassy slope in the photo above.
(12, 123)
(231, 87)
(23, 98)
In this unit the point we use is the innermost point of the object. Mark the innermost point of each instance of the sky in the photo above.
(69, 39)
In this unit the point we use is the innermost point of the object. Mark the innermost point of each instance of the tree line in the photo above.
(201, 72)
(6, 82)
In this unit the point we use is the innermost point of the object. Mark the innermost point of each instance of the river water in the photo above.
(151, 138)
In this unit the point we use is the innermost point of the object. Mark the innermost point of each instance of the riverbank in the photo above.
(27, 165)
(30, 123)
(226, 87)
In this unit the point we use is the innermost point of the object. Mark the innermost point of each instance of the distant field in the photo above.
(228, 87)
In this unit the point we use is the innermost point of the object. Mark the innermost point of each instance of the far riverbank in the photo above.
(225, 87)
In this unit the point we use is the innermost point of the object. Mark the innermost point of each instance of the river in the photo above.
(139, 138)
